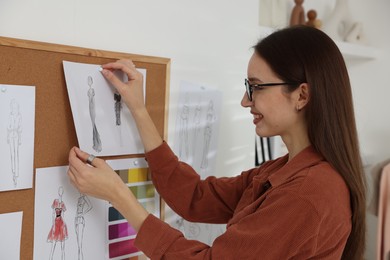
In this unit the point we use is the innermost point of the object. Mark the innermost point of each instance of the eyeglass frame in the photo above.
(250, 87)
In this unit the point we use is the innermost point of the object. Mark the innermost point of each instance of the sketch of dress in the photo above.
(118, 108)
(97, 144)
(14, 132)
(59, 230)
(183, 131)
(83, 207)
(197, 128)
(208, 131)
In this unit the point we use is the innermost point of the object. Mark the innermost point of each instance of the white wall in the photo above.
(209, 42)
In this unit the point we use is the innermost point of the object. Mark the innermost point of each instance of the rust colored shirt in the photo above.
(297, 209)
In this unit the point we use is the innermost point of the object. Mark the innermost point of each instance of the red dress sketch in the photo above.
(58, 231)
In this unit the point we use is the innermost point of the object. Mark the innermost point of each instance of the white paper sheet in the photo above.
(17, 125)
(104, 126)
(196, 140)
(10, 235)
(77, 222)
(197, 124)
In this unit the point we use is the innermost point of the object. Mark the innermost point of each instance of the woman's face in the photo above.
(273, 108)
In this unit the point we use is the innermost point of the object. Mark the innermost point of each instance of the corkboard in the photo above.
(40, 64)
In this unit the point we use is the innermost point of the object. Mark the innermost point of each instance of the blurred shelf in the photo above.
(349, 50)
(357, 51)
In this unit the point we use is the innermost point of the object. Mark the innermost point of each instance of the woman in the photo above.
(309, 204)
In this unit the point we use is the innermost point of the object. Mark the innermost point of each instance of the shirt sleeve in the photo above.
(212, 200)
(256, 236)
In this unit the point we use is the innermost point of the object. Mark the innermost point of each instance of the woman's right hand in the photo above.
(133, 95)
(132, 90)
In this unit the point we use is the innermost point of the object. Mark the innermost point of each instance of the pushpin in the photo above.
(135, 163)
(3, 89)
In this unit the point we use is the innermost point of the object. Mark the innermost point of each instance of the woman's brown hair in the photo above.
(305, 54)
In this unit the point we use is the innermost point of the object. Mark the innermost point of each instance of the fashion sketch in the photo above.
(197, 127)
(14, 140)
(183, 131)
(83, 207)
(118, 109)
(97, 144)
(59, 231)
(208, 131)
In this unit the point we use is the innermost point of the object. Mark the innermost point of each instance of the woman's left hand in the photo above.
(97, 180)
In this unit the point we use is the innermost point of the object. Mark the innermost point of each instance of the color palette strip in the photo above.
(143, 191)
(122, 248)
(137, 175)
(120, 230)
(114, 215)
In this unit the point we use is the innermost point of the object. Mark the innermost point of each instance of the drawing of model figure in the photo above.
(58, 231)
(197, 128)
(183, 131)
(207, 135)
(83, 207)
(14, 140)
(118, 109)
(97, 144)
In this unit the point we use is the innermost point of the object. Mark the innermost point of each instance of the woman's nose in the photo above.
(245, 102)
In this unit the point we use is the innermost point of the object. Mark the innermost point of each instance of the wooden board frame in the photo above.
(39, 64)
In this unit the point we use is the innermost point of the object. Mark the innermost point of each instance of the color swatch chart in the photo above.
(121, 235)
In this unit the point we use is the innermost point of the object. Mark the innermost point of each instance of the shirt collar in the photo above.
(285, 169)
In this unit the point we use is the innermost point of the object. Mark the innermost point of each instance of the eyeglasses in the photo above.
(250, 87)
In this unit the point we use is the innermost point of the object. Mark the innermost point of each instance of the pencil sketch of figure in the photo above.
(59, 230)
(183, 130)
(83, 207)
(193, 230)
(14, 140)
(207, 135)
(118, 108)
(97, 144)
(197, 128)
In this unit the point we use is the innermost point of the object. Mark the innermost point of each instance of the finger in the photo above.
(85, 157)
(100, 163)
(73, 171)
(96, 162)
(113, 79)
(115, 65)
(76, 161)
(72, 178)
(126, 67)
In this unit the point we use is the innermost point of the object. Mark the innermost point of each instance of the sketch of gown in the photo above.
(197, 127)
(208, 131)
(183, 131)
(83, 207)
(118, 108)
(97, 144)
(14, 131)
(59, 230)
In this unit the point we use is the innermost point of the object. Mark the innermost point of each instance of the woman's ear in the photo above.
(303, 96)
